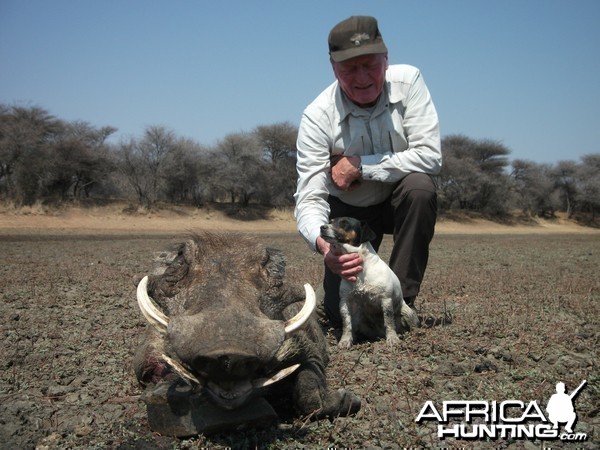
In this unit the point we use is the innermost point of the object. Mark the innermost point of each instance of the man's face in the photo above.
(362, 78)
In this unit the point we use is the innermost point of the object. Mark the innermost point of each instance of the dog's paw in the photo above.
(345, 343)
(410, 319)
(392, 340)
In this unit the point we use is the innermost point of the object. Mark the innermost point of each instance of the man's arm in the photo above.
(420, 126)
(312, 165)
(312, 210)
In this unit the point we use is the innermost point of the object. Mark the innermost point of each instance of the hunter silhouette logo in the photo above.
(509, 419)
(560, 407)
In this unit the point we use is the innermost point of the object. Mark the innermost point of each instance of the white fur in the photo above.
(375, 293)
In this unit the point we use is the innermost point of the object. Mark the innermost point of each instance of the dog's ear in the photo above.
(367, 233)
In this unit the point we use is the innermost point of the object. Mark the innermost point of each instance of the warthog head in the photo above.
(218, 307)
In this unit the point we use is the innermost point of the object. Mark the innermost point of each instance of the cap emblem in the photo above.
(359, 37)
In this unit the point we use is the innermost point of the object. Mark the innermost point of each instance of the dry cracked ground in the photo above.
(505, 317)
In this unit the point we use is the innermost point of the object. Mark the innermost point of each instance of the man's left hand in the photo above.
(345, 172)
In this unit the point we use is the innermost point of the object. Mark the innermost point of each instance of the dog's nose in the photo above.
(323, 227)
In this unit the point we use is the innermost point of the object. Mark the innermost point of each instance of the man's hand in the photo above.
(345, 172)
(346, 265)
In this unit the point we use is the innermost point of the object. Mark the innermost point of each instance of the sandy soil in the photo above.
(113, 219)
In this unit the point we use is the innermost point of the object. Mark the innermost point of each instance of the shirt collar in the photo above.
(346, 107)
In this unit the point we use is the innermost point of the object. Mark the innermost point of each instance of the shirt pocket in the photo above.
(398, 141)
(397, 137)
(355, 145)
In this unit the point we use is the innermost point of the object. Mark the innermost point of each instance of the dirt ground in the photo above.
(117, 218)
(507, 312)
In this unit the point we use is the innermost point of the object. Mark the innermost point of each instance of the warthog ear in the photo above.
(162, 260)
(190, 250)
(170, 269)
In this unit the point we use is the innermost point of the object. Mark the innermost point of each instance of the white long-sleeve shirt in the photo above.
(398, 136)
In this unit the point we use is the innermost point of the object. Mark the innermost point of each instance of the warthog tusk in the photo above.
(263, 382)
(182, 371)
(299, 319)
(149, 310)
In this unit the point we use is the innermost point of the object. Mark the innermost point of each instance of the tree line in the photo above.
(46, 159)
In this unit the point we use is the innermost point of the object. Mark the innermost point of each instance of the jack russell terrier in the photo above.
(376, 291)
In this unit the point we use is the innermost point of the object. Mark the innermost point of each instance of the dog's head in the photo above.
(347, 230)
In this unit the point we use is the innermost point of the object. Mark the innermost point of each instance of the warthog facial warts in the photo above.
(225, 321)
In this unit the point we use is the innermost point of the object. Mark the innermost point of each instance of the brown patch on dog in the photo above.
(352, 237)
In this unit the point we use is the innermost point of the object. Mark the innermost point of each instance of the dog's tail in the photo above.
(409, 316)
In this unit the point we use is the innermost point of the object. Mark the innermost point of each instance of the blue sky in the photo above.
(525, 73)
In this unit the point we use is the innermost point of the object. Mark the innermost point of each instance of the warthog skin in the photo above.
(226, 299)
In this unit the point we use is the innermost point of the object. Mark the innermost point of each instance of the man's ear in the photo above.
(367, 233)
(333, 67)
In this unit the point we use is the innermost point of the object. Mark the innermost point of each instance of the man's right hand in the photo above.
(346, 265)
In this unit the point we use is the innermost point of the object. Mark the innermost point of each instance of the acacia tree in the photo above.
(473, 177)
(44, 158)
(25, 137)
(533, 185)
(80, 161)
(240, 168)
(278, 143)
(186, 173)
(565, 174)
(588, 181)
(142, 162)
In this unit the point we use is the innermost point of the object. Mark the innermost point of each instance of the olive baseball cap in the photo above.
(355, 36)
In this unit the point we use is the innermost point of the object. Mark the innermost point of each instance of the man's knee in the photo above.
(421, 197)
(419, 181)
(416, 192)
(416, 187)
